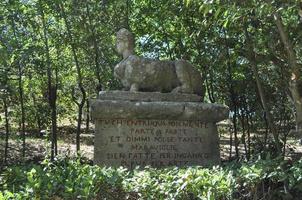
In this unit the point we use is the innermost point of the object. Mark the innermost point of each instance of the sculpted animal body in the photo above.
(142, 74)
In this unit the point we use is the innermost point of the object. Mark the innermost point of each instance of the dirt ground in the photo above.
(38, 148)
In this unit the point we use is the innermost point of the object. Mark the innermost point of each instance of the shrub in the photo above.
(70, 179)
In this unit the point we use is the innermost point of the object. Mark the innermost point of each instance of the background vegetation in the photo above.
(55, 55)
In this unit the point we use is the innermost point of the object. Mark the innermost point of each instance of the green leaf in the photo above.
(226, 23)
(188, 2)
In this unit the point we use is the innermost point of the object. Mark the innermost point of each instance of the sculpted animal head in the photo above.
(125, 42)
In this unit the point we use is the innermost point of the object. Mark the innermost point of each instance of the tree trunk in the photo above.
(269, 117)
(209, 86)
(6, 129)
(247, 129)
(248, 136)
(54, 127)
(252, 59)
(231, 143)
(20, 88)
(212, 87)
(21, 93)
(295, 83)
(52, 90)
(79, 73)
(236, 143)
(243, 125)
(266, 130)
(233, 96)
(38, 118)
(87, 116)
(297, 99)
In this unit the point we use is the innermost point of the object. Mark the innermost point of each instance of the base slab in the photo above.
(156, 130)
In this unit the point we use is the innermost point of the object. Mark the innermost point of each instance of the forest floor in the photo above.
(37, 148)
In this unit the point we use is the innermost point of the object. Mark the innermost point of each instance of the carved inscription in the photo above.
(157, 143)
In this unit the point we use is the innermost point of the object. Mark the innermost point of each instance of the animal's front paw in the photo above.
(176, 90)
(182, 89)
(134, 88)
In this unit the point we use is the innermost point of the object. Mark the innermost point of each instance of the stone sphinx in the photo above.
(149, 75)
(161, 121)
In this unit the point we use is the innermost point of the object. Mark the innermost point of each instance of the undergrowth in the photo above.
(68, 178)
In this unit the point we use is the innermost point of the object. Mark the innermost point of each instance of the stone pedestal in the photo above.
(157, 129)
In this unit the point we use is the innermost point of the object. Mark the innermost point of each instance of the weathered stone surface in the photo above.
(159, 143)
(113, 109)
(148, 96)
(149, 75)
(130, 132)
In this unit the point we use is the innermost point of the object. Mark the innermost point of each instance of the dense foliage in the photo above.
(55, 55)
(69, 179)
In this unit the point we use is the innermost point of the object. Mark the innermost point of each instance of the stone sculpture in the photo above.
(161, 121)
(149, 75)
